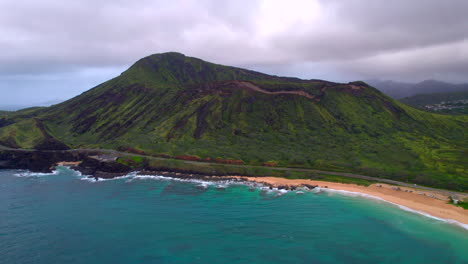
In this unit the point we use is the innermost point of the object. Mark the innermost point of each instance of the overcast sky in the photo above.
(55, 49)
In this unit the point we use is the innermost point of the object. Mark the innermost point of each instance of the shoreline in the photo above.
(429, 203)
(68, 163)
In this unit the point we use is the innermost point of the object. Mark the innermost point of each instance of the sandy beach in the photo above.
(430, 202)
(68, 163)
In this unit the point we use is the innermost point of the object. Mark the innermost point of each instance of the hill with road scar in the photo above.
(177, 107)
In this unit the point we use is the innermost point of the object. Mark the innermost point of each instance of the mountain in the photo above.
(400, 90)
(172, 105)
(394, 89)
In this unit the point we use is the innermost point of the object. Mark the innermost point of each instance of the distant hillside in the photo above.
(449, 103)
(400, 90)
(435, 98)
(171, 105)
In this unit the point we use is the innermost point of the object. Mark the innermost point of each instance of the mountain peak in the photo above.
(165, 56)
(177, 68)
(432, 81)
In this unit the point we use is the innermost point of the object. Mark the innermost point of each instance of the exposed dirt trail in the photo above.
(253, 87)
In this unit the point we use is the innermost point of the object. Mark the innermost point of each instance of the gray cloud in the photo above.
(329, 39)
(357, 28)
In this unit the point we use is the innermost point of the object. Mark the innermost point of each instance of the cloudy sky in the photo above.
(55, 49)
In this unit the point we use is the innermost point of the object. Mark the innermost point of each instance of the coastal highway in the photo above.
(116, 153)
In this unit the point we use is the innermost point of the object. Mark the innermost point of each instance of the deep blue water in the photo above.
(62, 218)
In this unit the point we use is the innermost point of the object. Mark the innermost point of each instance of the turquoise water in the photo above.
(62, 218)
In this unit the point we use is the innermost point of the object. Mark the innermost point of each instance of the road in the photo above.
(350, 175)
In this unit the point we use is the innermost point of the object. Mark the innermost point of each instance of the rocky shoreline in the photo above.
(104, 166)
(97, 174)
(38, 161)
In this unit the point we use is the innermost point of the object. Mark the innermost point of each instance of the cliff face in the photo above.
(172, 105)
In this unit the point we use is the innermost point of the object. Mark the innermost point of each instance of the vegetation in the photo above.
(133, 161)
(230, 170)
(341, 179)
(462, 204)
(170, 105)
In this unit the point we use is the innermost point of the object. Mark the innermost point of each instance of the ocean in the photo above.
(65, 218)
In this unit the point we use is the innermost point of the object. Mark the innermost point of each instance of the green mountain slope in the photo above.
(173, 105)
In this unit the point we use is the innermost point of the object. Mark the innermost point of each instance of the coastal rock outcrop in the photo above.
(36, 161)
(102, 169)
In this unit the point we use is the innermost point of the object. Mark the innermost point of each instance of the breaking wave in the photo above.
(35, 174)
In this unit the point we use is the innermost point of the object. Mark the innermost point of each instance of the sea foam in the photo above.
(35, 174)
(218, 184)
(91, 178)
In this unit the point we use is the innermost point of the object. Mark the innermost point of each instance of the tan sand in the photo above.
(68, 163)
(430, 202)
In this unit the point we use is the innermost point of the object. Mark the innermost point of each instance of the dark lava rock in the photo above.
(102, 169)
(36, 161)
(310, 186)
